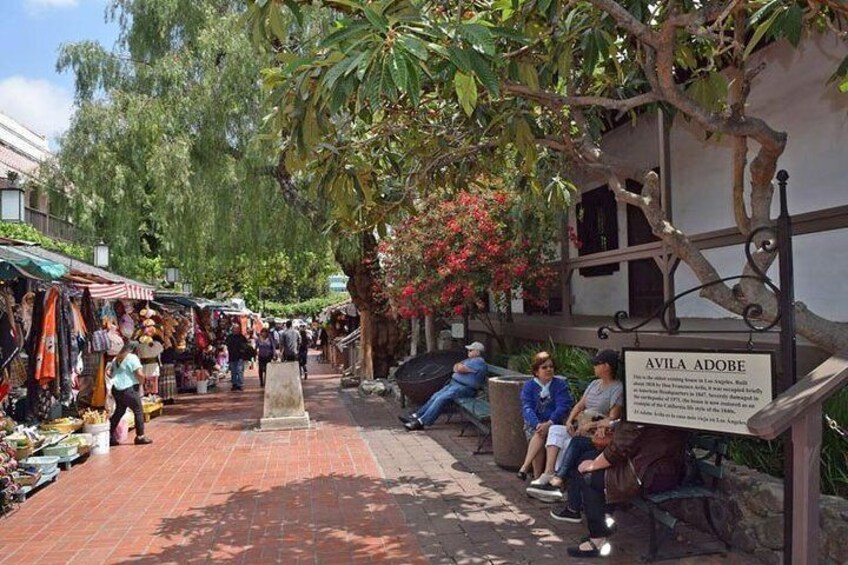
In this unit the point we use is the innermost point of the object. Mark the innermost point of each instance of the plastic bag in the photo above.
(122, 432)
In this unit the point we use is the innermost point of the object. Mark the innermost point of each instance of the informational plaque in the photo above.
(702, 390)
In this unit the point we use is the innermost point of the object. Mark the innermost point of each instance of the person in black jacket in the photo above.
(236, 347)
(302, 353)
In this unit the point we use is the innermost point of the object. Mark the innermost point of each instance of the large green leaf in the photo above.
(460, 59)
(484, 73)
(710, 91)
(466, 91)
(414, 46)
(479, 37)
(528, 75)
(399, 72)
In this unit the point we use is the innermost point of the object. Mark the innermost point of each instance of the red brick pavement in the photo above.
(212, 490)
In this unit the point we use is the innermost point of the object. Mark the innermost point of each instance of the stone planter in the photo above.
(508, 442)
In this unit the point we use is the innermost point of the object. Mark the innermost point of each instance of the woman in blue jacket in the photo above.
(545, 401)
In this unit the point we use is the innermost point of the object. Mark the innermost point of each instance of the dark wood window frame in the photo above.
(597, 228)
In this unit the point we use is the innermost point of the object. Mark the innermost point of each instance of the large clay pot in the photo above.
(508, 442)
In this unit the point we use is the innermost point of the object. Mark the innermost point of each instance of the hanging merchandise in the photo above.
(98, 396)
(126, 324)
(87, 309)
(9, 347)
(107, 315)
(45, 360)
(26, 309)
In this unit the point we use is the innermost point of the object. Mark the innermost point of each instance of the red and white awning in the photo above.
(119, 290)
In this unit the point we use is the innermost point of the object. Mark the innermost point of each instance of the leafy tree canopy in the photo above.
(407, 94)
(163, 157)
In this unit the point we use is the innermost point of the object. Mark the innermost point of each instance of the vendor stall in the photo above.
(60, 321)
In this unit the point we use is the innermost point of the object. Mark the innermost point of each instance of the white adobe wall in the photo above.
(791, 94)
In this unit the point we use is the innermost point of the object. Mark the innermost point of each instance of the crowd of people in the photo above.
(584, 448)
(282, 342)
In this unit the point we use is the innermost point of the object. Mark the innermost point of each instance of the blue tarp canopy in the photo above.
(16, 262)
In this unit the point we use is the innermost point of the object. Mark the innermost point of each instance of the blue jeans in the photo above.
(579, 449)
(237, 373)
(576, 479)
(429, 413)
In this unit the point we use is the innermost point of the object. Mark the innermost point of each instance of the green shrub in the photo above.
(573, 362)
(26, 232)
(767, 456)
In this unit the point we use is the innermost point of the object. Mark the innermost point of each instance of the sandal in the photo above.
(595, 551)
(522, 475)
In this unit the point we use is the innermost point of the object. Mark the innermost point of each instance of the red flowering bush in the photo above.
(443, 259)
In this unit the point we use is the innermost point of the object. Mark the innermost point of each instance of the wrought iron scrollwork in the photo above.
(752, 314)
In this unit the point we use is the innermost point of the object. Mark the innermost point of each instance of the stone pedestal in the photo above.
(283, 399)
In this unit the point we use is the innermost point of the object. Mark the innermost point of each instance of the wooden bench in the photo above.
(704, 469)
(476, 411)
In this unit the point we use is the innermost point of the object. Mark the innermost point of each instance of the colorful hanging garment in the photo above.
(45, 358)
(98, 396)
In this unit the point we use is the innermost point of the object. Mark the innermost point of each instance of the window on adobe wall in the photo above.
(597, 228)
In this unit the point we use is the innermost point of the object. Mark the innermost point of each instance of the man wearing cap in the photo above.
(468, 376)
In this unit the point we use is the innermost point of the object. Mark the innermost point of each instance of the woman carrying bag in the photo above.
(126, 373)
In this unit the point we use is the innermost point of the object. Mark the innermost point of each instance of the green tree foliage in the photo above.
(163, 158)
(533, 84)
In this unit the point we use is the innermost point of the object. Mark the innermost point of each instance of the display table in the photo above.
(45, 478)
(152, 409)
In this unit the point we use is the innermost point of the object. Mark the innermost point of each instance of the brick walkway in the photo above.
(356, 488)
(211, 490)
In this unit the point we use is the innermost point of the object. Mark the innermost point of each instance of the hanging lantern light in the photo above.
(12, 202)
(101, 255)
(172, 275)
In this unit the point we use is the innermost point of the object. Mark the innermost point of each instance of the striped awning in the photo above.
(118, 290)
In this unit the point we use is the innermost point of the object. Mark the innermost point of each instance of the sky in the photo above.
(31, 90)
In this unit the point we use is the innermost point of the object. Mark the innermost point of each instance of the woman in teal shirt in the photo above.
(126, 374)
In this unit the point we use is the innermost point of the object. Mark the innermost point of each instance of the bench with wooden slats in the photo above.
(477, 412)
(704, 460)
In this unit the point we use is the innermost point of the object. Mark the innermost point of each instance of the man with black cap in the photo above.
(468, 376)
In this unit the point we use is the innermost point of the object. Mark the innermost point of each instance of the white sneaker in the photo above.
(545, 494)
(543, 480)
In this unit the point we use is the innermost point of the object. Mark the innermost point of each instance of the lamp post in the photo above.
(12, 201)
(172, 275)
(101, 255)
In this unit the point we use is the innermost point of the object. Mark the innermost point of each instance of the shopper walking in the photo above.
(126, 373)
(303, 352)
(266, 348)
(291, 343)
(236, 347)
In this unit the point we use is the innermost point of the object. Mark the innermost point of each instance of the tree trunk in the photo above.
(366, 345)
(380, 332)
(430, 332)
(416, 336)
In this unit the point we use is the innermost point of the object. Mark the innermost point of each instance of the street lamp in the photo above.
(172, 275)
(101, 255)
(12, 202)
(187, 289)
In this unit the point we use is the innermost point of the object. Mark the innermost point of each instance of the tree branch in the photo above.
(556, 101)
